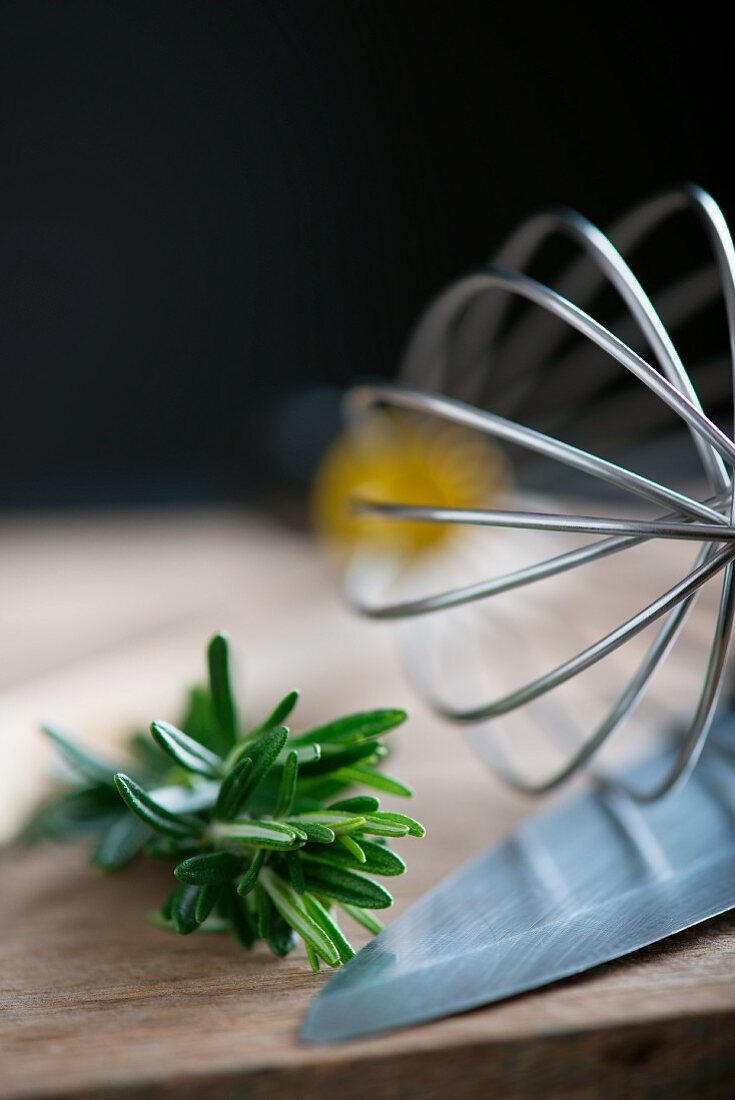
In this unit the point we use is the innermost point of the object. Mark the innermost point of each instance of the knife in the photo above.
(577, 885)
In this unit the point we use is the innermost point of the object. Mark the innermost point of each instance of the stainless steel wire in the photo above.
(446, 355)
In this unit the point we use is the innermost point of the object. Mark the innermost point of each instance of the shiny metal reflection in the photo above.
(578, 885)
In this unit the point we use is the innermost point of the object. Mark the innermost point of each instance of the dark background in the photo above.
(214, 215)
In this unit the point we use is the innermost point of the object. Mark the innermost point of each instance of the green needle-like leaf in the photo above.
(258, 834)
(234, 790)
(183, 909)
(378, 860)
(82, 761)
(363, 917)
(352, 847)
(261, 832)
(206, 901)
(281, 936)
(379, 781)
(198, 720)
(360, 804)
(292, 909)
(325, 920)
(306, 754)
(186, 800)
(249, 879)
(264, 752)
(243, 923)
(152, 761)
(210, 869)
(317, 834)
(263, 910)
(278, 715)
(413, 827)
(76, 812)
(167, 907)
(354, 727)
(333, 758)
(287, 790)
(376, 825)
(295, 869)
(186, 751)
(223, 706)
(335, 820)
(159, 921)
(121, 842)
(151, 812)
(346, 886)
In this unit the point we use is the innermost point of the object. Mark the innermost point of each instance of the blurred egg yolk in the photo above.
(400, 458)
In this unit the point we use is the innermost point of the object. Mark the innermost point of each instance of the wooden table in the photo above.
(104, 620)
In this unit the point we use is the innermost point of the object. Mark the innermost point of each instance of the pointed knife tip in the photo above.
(321, 1027)
(322, 1024)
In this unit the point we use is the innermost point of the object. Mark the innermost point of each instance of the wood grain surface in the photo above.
(95, 1002)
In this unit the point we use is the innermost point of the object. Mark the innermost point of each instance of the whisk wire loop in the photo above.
(438, 352)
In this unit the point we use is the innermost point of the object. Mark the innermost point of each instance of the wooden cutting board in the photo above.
(97, 1003)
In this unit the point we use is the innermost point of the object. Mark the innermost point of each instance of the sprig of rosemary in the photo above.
(265, 839)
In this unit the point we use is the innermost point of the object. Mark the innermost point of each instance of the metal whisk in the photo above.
(473, 362)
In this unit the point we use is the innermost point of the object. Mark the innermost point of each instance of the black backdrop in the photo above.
(207, 208)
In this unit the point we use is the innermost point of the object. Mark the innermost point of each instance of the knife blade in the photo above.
(577, 885)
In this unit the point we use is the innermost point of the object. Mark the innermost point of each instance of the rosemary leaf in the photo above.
(378, 860)
(186, 751)
(333, 758)
(379, 781)
(278, 715)
(287, 789)
(263, 752)
(352, 847)
(197, 718)
(313, 831)
(199, 796)
(335, 820)
(256, 834)
(233, 792)
(354, 727)
(206, 901)
(360, 804)
(305, 754)
(183, 909)
(346, 886)
(363, 917)
(249, 879)
(168, 905)
(120, 843)
(413, 827)
(281, 936)
(378, 826)
(295, 869)
(326, 921)
(81, 760)
(151, 760)
(263, 909)
(223, 706)
(292, 909)
(151, 812)
(243, 923)
(262, 833)
(209, 869)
